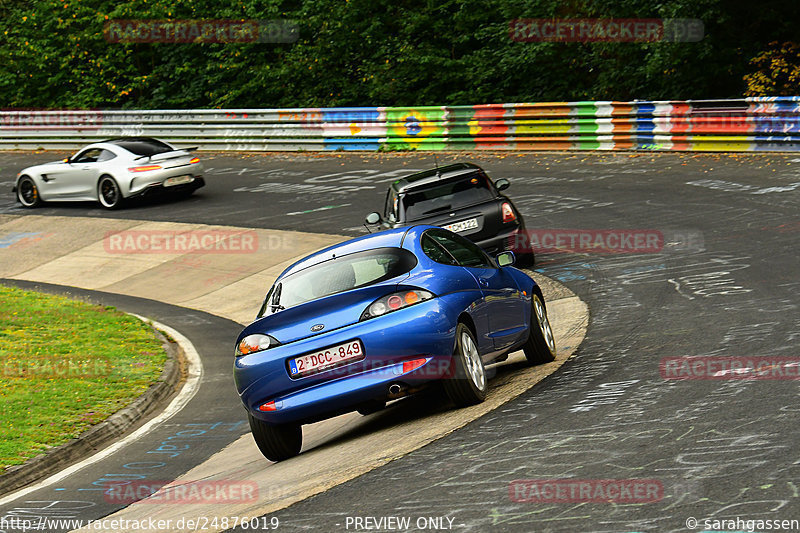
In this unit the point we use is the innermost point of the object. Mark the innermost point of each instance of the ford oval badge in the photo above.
(317, 327)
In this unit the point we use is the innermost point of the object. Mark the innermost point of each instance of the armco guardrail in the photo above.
(751, 124)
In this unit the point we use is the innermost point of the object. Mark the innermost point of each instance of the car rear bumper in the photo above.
(420, 332)
(512, 239)
(346, 394)
(158, 188)
(152, 181)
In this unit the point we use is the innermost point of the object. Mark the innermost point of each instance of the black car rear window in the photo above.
(449, 195)
(144, 146)
(338, 275)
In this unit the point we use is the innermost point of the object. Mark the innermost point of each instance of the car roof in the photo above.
(136, 146)
(118, 140)
(391, 238)
(102, 144)
(426, 177)
(117, 143)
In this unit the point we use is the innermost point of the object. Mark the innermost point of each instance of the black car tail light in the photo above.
(508, 213)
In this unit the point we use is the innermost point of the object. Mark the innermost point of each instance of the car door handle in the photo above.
(483, 283)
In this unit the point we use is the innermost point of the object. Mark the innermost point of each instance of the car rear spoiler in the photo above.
(192, 149)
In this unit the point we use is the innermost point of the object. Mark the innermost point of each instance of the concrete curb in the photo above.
(99, 435)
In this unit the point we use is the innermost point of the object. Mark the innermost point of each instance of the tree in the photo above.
(777, 71)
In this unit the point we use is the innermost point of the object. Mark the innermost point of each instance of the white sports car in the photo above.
(110, 172)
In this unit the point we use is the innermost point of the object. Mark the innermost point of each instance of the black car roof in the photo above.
(117, 140)
(420, 179)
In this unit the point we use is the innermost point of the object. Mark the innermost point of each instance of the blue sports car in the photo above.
(377, 318)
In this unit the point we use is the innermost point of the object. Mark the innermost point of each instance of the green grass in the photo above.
(66, 365)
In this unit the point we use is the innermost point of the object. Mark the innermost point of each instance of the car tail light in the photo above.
(144, 168)
(414, 364)
(194, 160)
(269, 406)
(395, 301)
(255, 343)
(508, 213)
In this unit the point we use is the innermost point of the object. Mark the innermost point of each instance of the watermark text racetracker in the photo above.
(586, 491)
(181, 493)
(51, 119)
(730, 368)
(607, 241)
(593, 241)
(53, 368)
(196, 241)
(201, 31)
(606, 30)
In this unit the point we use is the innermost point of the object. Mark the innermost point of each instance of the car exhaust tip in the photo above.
(395, 389)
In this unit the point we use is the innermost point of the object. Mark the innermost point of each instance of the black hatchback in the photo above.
(461, 198)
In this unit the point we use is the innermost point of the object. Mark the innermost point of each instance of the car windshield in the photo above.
(144, 147)
(337, 275)
(440, 197)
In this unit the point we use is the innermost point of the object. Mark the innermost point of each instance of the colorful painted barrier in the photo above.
(750, 124)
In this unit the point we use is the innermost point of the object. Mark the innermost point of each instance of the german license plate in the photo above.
(464, 225)
(326, 359)
(177, 180)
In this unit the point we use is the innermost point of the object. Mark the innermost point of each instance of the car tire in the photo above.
(371, 407)
(540, 347)
(108, 193)
(28, 193)
(277, 442)
(466, 383)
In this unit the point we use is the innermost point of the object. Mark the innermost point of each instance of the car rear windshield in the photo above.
(338, 275)
(440, 197)
(144, 146)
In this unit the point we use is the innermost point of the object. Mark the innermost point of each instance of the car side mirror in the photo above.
(502, 184)
(373, 218)
(66, 160)
(505, 259)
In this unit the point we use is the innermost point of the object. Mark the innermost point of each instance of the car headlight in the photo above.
(395, 301)
(255, 343)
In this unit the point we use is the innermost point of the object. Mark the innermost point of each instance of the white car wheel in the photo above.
(108, 193)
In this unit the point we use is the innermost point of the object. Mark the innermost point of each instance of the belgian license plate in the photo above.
(177, 180)
(464, 225)
(328, 358)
